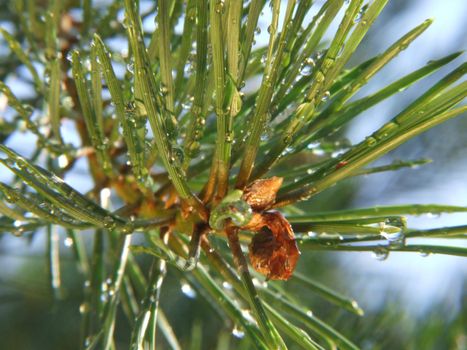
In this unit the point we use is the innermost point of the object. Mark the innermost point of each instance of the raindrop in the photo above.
(381, 253)
(259, 284)
(109, 223)
(424, 254)
(394, 239)
(188, 290)
(357, 308)
(371, 141)
(219, 6)
(193, 149)
(18, 232)
(229, 137)
(247, 316)
(307, 67)
(319, 152)
(84, 308)
(237, 332)
(87, 341)
(164, 90)
(177, 155)
(312, 145)
(62, 161)
(360, 14)
(186, 105)
(227, 285)
(68, 242)
(104, 297)
(201, 121)
(326, 96)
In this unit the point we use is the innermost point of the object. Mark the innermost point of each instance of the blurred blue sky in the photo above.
(418, 281)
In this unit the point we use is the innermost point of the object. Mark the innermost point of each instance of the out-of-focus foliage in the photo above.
(171, 129)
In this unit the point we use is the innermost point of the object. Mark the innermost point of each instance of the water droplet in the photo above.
(131, 67)
(247, 315)
(259, 284)
(237, 332)
(309, 313)
(381, 253)
(62, 161)
(371, 141)
(18, 232)
(188, 290)
(68, 242)
(395, 239)
(227, 285)
(186, 105)
(84, 308)
(306, 69)
(424, 254)
(357, 308)
(229, 137)
(164, 90)
(104, 297)
(109, 223)
(219, 7)
(360, 14)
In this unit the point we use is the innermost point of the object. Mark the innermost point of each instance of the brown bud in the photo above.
(273, 251)
(261, 194)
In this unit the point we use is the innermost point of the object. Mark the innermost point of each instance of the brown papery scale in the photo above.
(273, 251)
(261, 194)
